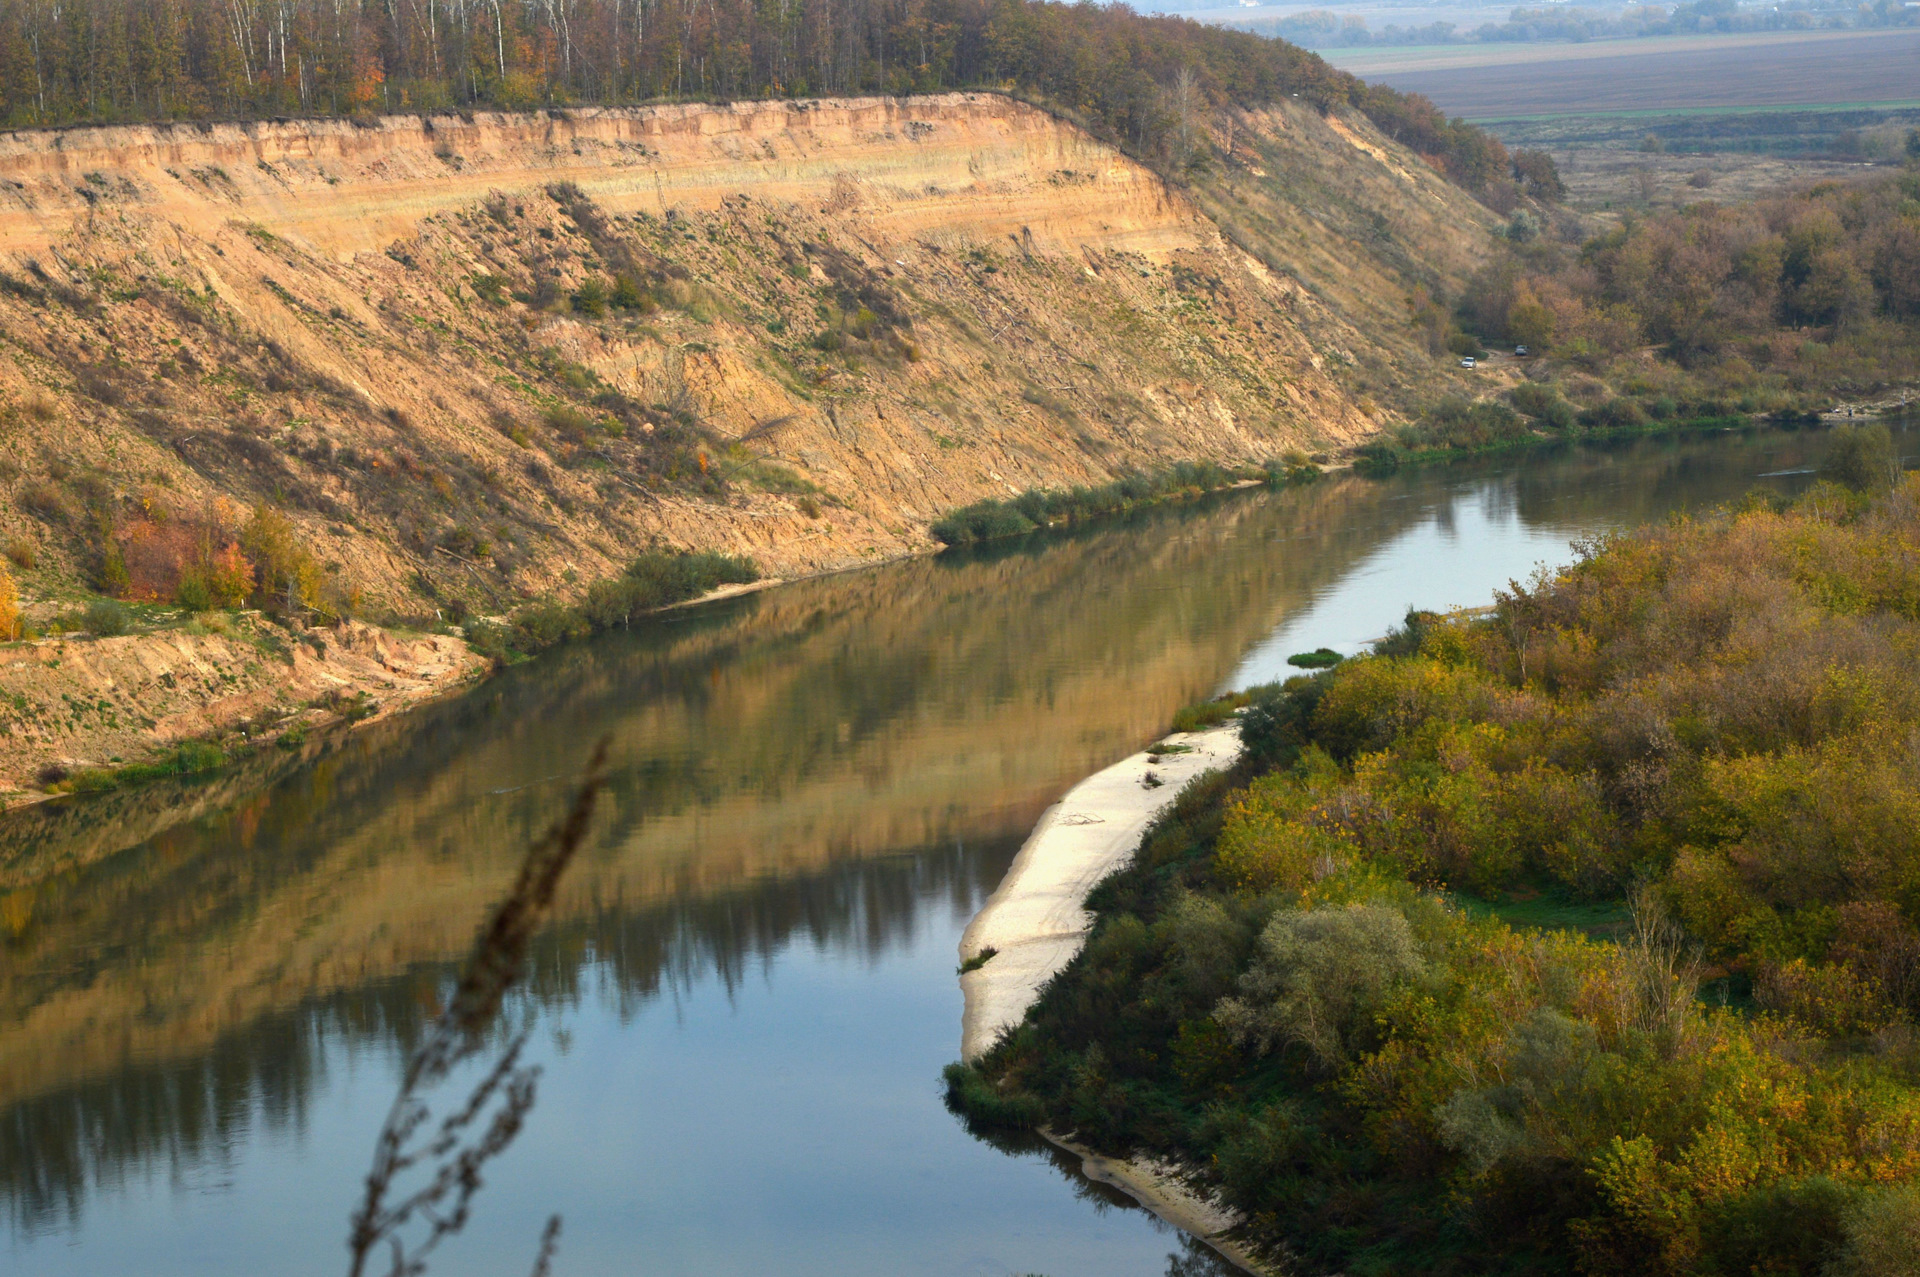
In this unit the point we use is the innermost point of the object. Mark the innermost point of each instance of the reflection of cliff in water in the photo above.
(182, 1112)
(175, 959)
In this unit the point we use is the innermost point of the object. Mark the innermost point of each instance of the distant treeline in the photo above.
(1136, 79)
(1324, 29)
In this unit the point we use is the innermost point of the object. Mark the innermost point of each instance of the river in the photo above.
(746, 997)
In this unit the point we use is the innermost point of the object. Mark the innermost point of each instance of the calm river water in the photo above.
(745, 1001)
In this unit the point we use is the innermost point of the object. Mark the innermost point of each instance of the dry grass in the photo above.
(1600, 179)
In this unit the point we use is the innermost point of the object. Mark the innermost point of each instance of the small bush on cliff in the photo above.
(106, 619)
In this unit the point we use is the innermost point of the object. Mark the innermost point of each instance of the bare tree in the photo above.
(1186, 99)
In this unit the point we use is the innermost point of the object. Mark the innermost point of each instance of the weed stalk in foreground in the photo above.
(452, 1151)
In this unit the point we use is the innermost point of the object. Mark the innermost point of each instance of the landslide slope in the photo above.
(479, 359)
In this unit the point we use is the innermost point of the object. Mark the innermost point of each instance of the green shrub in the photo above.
(1614, 414)
(571, 423)
(981, 521)
(1545, 406)
(629, 295)
(1795, 1227)
(590, 298)
(979, 960)
(1197, 718)
(1320, 658)
(975, 1098)
(1405, 638)
(1317, 978)
(1534, 399)
(653, 580)
(189, 759)
(1039, 507)
(1274, 727)
(1378, 456)
(1861, 457)
(106, 618)
(1883, 1237)
(489, 288)
(194, 593)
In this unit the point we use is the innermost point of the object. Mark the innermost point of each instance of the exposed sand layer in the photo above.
(1164, 1189)
(951, 161)
(397, 332)
(99, 702)
(1036, 921)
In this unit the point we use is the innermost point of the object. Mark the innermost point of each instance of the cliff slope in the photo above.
(480, 359)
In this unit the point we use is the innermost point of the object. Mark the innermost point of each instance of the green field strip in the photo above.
(1705, 113)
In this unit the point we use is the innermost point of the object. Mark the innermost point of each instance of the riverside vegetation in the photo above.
(656, 579)
(1045, 507)
(1579, 936)
(1703, 317)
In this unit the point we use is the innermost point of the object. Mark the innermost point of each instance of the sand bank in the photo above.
(1036, 920)
(1164, 1189)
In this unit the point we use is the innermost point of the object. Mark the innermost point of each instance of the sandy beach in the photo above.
(1036, 921)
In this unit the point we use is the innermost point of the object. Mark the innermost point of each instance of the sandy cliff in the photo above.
(935, 299)
(480, 360)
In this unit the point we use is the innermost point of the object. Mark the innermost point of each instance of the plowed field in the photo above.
(1678, 75)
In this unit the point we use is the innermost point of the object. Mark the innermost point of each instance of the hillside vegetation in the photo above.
(1711, 312)
(1580, 937)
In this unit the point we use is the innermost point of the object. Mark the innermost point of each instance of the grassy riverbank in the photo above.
(81, 708)
(1068, 507)
(656, 579)
(1457, 430)
(1579, 937)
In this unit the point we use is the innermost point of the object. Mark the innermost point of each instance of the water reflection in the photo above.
(829, 768)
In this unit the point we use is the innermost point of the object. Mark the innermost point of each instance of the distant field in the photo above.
(1513, 82)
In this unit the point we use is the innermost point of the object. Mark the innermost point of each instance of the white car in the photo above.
(1467, 362)
(1521, 351)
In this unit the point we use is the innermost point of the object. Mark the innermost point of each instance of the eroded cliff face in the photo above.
(839, 319)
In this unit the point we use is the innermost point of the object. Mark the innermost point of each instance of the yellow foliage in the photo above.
(9, 607)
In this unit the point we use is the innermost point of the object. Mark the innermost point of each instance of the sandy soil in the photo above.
(84, 702)
(1036, 920)
(1167, 1190)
